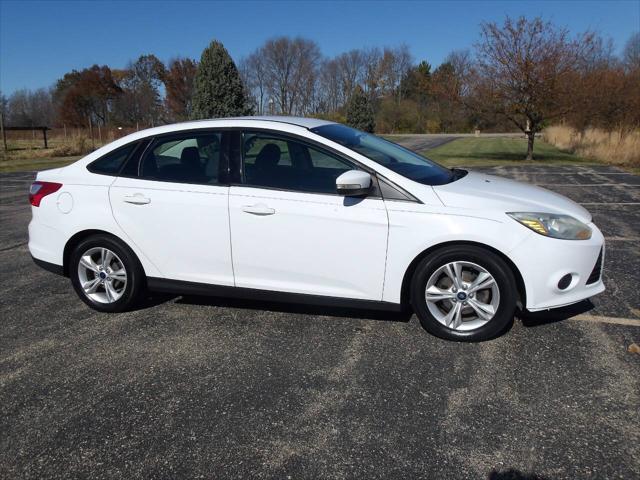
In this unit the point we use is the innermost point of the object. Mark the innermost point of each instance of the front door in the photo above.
(291, 232)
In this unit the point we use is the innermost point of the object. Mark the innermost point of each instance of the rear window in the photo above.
(111, 163)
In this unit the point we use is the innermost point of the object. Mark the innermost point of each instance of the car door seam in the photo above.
(386, 252)
(233, 269)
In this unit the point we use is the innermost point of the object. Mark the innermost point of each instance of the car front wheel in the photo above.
(464, 293)
(106, 274)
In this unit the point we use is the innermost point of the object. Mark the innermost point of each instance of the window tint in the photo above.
(189, 158)
(278, 162)
(111, 163)
(255, 145)
(405, 162)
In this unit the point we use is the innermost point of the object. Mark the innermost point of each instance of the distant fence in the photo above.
(60, 135)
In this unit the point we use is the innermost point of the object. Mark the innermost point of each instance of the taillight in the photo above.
(39, 190)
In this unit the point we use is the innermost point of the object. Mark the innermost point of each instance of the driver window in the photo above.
(282, 163)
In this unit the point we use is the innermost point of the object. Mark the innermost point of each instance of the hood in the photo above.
(478, 191)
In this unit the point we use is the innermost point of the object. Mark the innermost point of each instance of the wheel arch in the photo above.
(80, 236)
(405, 292)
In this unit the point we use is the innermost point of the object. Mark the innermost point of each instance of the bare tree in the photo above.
(393, 67)
(372, 83)
(351, 71)
(525, 67)
(30, 107)
(631, 53)
(331, 91)
(252, 70)
(291, 68)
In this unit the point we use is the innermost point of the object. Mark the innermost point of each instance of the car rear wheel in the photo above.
(464, 293)
(106, 274)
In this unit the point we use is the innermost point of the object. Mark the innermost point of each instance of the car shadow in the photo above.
(535, 319)
(513, 474)
(282, 307)
(528, 319)
(154, 299)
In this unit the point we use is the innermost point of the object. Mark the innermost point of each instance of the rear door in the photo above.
(291, 232)
(175, 206)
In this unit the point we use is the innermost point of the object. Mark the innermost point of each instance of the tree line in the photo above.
(521, 74)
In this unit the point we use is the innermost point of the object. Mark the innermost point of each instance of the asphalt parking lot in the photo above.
(206, 388)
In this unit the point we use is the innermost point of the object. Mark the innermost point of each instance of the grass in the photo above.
(484, 152)
(31, 164)
(615, 147)
(28, 155)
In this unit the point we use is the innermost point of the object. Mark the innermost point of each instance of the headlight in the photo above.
(553, 225)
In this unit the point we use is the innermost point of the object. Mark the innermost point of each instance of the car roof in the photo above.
(286, 124)
(299, 121)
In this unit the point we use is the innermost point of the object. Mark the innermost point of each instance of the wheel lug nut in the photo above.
(471, 295)
(464, 303)
(454, 289)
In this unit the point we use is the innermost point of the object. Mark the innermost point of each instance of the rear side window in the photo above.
(111, 163)
(187, 158)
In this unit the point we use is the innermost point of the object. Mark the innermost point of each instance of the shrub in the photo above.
(80, 145)
(359, 112)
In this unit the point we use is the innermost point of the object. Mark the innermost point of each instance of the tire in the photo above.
(117, 291)
(493, 307)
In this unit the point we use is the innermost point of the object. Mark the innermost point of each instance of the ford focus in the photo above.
(306, 210)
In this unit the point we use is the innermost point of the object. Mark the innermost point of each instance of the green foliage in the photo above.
(359, 112)
(424, 68)
(398, 117)
(219, 91)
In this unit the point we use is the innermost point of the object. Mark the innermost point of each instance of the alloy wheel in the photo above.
(462, 295)
(102, 275)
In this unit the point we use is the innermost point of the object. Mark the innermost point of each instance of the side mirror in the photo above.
(353, 183)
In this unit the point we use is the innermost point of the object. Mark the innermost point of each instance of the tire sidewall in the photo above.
(131, 265)
(493, 264)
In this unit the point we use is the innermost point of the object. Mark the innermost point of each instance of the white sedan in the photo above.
(305, 210)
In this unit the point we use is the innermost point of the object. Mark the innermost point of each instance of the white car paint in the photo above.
(310, 243)
(182, 228)
(477, 191)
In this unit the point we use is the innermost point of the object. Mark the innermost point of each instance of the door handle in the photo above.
(137, 199)
(259, 209)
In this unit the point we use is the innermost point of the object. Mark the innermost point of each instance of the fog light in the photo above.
(565, 281)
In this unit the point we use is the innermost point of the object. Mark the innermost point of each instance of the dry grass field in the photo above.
(614, 148)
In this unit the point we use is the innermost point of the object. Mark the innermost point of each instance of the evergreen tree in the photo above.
(219, 91)
(359, 111)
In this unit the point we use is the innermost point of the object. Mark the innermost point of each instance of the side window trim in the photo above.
(134, 157)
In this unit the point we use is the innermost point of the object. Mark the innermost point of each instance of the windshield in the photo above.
(392, 156)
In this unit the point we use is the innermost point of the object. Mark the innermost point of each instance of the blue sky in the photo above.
(40, 41)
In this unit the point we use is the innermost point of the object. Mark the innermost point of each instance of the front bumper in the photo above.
(543, 261)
